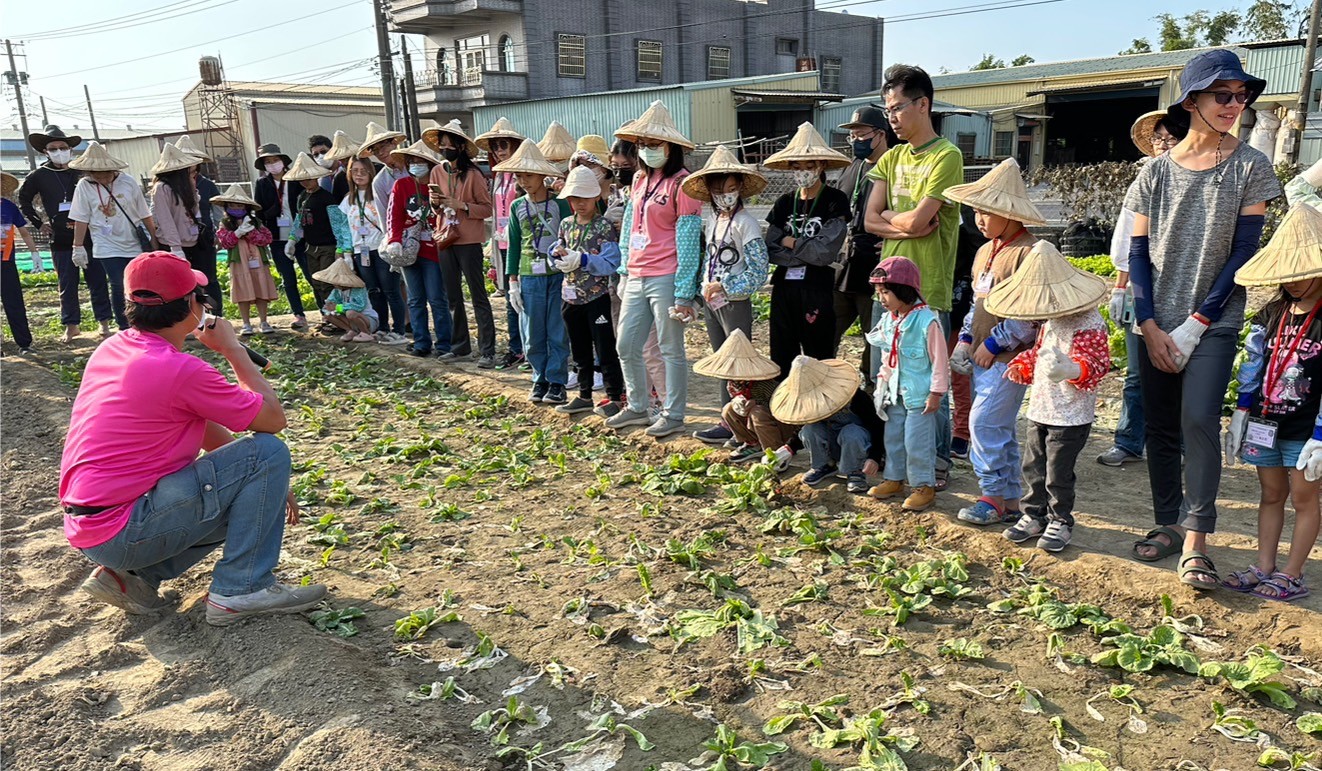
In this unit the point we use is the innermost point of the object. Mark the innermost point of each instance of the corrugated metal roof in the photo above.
(240, 87)
(1166, 59)
(1105, 85)
(759, 94)
(313, 102)
(698, 86)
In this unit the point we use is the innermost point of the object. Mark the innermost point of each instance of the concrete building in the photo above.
(487, 52)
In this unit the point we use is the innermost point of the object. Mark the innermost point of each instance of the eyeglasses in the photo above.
(1165, 140)
(897, 109)
(854, 136)
(502, 144)
(650, 143)
(1223, 97)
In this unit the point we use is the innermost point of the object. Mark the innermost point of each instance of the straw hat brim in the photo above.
(174, 159)
(737, 360)
(695, 184)
(424, 152)
(802, 399)
(432, 137)
(1144, 129)
(99, 159)
(997, 202)
(366, 150)
(483, 141)
(193, 151)
(521, 164)
(639, 128)
(304, 168)
(339, 275)
(1036, 294)
(1294, 252)
(234, 195)
(347, 149)
(8, 184)
(781, 161)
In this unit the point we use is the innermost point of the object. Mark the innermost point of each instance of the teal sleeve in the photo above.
(688, 246)
(755, 271)
(514, 244)
(357, 300)
(626, 227)
(339, 223)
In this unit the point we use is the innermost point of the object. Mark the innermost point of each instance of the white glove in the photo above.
(244, 229)
(1060, 367)
(1233, 438)
(348, 258)
(37, 265)
(393, 251)
(178, 251)
(615, 215)
(741, 405)
(1186, 337)
(1117, 305)
(516, 297)
(1313, 175)
(961, 359)
(289, 249)
(1310, 460)
(80, 256)
(619, 286)
(571, 262)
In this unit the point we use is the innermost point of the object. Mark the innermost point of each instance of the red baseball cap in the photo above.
(156, 278)
(898, 270)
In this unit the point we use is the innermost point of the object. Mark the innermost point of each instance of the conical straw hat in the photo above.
(432, 137)
(807, 145)
(723, 162)
(815, 390)
(305, 168)
(185, 143)
(1294, 252)
(737, 360)
(502, 129)
(557, 144)
(1142, 131)
(342, 147)
(654, 123)
(97, 158)
(174, 159)
(595, 145)
(8, 184)
(339, 274)
(236, 195)
(528, 159)
(1046, 286)
(418, 149)
(376, 134)
(1001, 191)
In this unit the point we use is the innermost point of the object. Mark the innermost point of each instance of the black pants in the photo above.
(114, 267)
(71, 311)
(16, 313)
(459, 264)
(289, 274)
(203, 258)
(1049, 456)
(589, 326)
(848, 307)
(802, 321)
(382, 291)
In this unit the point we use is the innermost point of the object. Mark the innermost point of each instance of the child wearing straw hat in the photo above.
(500, 143)
(319, 224)
(841, 429)
(988, 343)
(750, 381)
(347, 306)
(912, 378)
(734, 265)
(246, 239)
(1064, 367)
(12, 227)
(1277, 423)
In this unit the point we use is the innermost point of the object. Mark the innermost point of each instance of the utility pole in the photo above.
(44, 119)
(96, 134)
(410, 93)
(401, 88)
(387, 66)
(22, 113)
(1306, 84)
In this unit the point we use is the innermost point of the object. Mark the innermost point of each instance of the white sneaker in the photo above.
(598, 384)
(783, 457)
(246, 330)
(573, 381)
(1026, 527)
(277, 598)
(1056, 538)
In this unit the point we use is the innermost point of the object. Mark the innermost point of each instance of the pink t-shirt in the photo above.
(657, 206)
(140, 415)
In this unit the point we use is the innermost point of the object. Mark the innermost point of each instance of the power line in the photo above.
(140, 23)
(77, 27)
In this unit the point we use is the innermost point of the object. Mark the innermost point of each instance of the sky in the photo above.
(138, 68)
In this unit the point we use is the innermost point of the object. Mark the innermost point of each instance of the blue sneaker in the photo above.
(819, 477)
(984, 512)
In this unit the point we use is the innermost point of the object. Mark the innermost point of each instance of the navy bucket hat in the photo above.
(1205, 69)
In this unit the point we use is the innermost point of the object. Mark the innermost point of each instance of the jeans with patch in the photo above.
(234, 495)
(841, 440)
(995, 445)
(910, 446)
(547, 343)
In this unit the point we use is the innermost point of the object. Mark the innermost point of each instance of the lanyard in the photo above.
(581, 233)
(1276, 364)
(794, 212)
(424, 203)
(362, 211)
(1000, 245)
(641, 219)
(893, 358)
(718, 245)
(858, 185)
(105, 206)
(541, 228)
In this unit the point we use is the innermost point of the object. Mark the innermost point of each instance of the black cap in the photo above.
(867, 117)
(40, 139)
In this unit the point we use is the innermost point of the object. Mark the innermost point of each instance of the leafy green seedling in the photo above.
(1232, 724)
(729, 750)
(1121, 694)
(515, 713)
(1309, 723)
(961, 649)
(443, 691)
(1138, 653)
(1272, 757)
(877, 743)
(337, 622)
(415, 625)
(606, 725)
(814, 592)
(823, 713)
(1253, 676)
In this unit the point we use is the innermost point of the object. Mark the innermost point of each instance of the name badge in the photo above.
(539, 267)
(983, 285)
(796, 274)
(1261, 433)
(255, 263)
(101, 230)
(718, 301)
(364, 256)
(65, 205)
(568, 292)
(638, 241)
(283, 221)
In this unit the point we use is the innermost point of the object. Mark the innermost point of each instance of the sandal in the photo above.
(1281, 587)
(1164, 550)
(942, 480)
(1248, 579)
(1197, 576)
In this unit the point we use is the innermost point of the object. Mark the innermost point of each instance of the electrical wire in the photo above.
(77, 27)
(133, 25)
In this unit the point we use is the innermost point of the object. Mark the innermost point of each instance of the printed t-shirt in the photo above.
(113, 234)
(1296, 383)
(11, 219)
(657, 206)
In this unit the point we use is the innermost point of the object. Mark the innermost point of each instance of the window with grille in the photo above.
(1004, 144)
(718, 62)
(571, 56)
(831, 74)
(967, 143)
(649, 60)
(787, 46)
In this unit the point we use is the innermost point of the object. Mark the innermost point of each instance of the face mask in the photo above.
(419, 169)
(600, 174)
(654, 157)
(275, 167)
(237, 213)
(320, 158)
(805, 179)
(60, 156)
(725, 201)
(862, 148)
(450, 153)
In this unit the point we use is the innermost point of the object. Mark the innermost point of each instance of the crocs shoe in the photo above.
(984, 512)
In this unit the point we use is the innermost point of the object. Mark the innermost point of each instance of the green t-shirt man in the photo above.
(912, 174)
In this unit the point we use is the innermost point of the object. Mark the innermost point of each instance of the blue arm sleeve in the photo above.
(966, 329)
(1250, 371)
(688, 245)
(1248, 234)
(604, 262)
(755, 271)
(1011, 333)
(1140, 278)
(626, 228)
(340, 225)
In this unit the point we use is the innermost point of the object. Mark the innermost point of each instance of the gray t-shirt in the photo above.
(1192, 225)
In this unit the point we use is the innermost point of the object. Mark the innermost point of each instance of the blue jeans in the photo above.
(547, 341)
(514, 324)
(943, 424)
(910, 446)
(840, 440)
(382, 290)
(234, 495)
(1130, 429)
(646, 303)
(995, 445)
(114, 268)
(427, 289)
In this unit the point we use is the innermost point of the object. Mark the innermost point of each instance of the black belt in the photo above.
(84, 511)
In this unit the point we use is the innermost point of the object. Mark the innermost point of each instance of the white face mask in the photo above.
(653, 157)
(725, 201)
(60, 156)
(419, 169)
(320, 158)
(805, 178)
(275, 167)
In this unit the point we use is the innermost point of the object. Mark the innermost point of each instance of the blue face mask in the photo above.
(237, 213)
(862, 148)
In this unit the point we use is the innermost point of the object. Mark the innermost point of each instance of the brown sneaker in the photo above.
(921, 498)
(125, 590)
(887, 489)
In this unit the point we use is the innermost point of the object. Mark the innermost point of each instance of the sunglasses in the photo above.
(1224, 97)
(502, 144)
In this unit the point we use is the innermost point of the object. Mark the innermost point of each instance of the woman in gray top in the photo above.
(1199, 213)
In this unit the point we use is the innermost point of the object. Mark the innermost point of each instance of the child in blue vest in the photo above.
(913, 377)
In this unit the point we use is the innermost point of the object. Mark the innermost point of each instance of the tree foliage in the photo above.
(1260, 20)
(990, 62)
